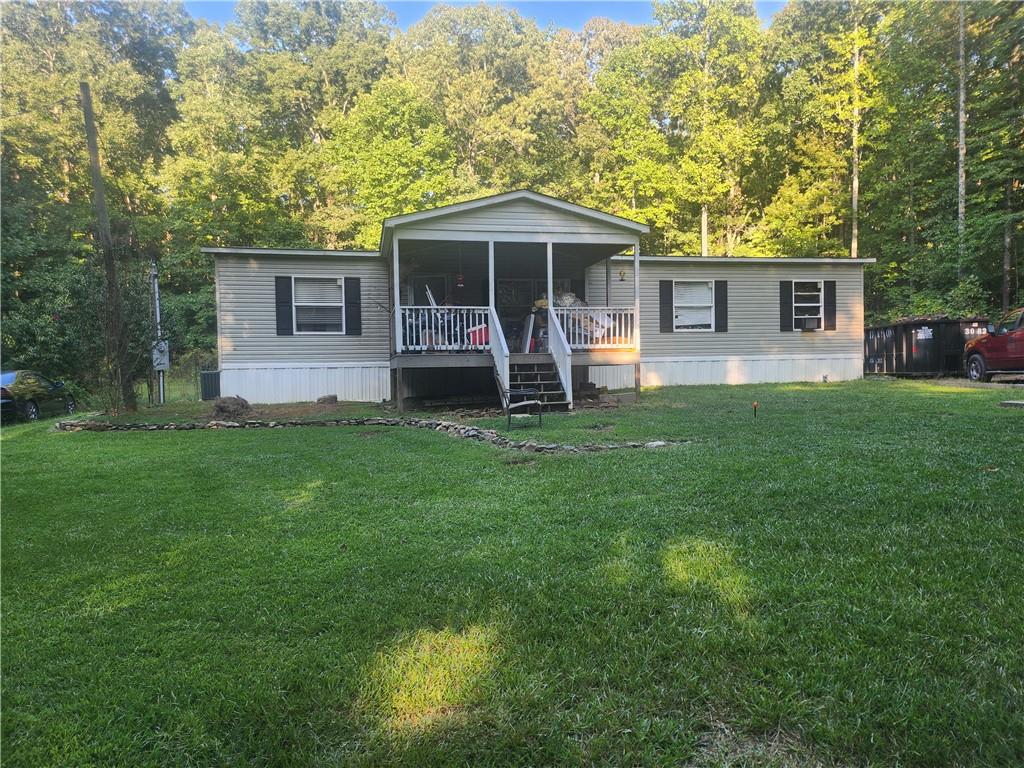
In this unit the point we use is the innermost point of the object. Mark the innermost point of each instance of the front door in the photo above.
(1015, 343)
(1000, 347)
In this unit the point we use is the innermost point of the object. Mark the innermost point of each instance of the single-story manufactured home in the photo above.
(522, 289)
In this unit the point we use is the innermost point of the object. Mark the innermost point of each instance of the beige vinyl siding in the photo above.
(753, 308)
(516, 216)
(246, 313)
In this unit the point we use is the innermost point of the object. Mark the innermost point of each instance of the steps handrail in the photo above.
(499, 348)
(561, 353)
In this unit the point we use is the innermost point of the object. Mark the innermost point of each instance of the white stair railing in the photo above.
(598, 327)
(561, 353)
(499, 348)
(444, 329)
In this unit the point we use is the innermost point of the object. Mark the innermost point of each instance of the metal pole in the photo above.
(155, 275)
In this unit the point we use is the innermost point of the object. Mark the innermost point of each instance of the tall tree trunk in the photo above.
(113, 336)
(1007, 246)
(704, 230)
(706, 69)
(961, 171)
(855, 139)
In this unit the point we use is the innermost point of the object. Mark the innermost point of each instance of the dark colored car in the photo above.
(29, 395)
(1001, 350)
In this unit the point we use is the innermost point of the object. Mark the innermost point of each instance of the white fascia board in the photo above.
(743, 260)
(287, 252)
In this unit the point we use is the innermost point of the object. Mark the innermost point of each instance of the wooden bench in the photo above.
(508, 406)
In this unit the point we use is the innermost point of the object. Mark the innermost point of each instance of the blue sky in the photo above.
(572, 14)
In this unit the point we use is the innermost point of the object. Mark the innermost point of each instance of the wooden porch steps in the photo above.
(538, 371)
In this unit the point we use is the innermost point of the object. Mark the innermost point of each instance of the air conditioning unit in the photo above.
(807, 323)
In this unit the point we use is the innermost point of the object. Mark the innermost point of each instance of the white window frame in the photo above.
(295, 319)
(711, 306)
(820, 317)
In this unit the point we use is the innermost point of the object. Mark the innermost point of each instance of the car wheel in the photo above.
(31, 411)
(977, 370)
(70, 405)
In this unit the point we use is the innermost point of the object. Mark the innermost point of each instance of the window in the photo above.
(807, 304)
(1009, 322)
(319, 304)
(693, 305)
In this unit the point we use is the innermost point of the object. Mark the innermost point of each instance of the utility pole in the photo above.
(113, 329)
(855, 186)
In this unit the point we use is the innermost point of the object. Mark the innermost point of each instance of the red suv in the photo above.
(1001, 350)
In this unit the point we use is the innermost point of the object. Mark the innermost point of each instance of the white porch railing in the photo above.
(499, 348)
(445, 329)
(561, 353)
(598, 327)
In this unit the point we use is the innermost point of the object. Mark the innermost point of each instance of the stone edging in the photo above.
(448, 427)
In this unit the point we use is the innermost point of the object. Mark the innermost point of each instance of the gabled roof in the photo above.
(521, 194)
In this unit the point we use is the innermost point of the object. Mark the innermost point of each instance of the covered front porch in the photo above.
(515, 283)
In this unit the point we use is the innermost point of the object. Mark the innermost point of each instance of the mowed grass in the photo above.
(837, 581)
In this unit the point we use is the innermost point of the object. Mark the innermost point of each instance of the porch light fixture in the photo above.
(460, 280)
(622, 275)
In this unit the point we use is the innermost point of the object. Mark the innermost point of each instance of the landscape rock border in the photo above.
(437, 425)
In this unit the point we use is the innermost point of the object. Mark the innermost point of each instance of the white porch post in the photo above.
(551, 279)
(636, 314)
(397, 288)
(490, 273)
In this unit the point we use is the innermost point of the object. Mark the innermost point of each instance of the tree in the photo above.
(390, 155)
(48, 245)
(713, 108)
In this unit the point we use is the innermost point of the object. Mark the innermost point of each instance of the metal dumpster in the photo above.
(925, 346)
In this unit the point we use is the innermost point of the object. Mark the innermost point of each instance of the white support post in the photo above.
(636, 316)
(490, 273)
(397, 288)
(636, 293)
(551, 277)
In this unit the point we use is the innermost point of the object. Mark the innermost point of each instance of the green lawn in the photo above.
(839, 580)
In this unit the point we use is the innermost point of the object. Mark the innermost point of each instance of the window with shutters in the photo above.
(319, 304)
(807, 305)
(693, 305)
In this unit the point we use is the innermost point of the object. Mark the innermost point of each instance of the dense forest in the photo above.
(887, 130)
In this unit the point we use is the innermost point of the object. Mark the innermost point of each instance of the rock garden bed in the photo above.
(454, 429)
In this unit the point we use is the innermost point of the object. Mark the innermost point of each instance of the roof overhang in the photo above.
(745, 260)
(221, 251)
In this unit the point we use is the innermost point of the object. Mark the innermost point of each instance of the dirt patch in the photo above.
(726, 746)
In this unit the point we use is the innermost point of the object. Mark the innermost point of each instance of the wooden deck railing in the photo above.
(598, 327)
(445, 329)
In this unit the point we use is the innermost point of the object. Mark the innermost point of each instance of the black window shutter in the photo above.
(721, 306)
(665, 306)
(579, 287)
(283, 302)
(830, 305)
(785, 305)
(353, 307)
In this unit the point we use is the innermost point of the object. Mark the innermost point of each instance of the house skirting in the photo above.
(729, 369)
(360, 382)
